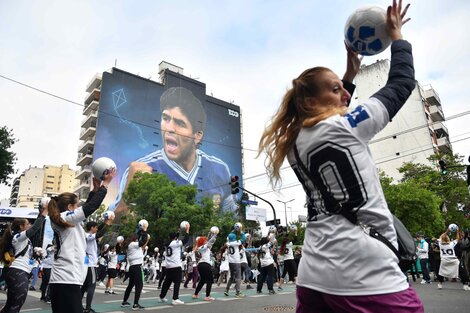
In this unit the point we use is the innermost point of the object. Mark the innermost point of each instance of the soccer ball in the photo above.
(183, 225)
(143, 224)
(366, 31)
(120, 239)
(272, 229)
(293, 227)
(453, 228)
(108, 215)
(101, 165)
(215, 230)
(238, 226)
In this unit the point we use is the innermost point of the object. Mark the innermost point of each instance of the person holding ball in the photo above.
(327, 147)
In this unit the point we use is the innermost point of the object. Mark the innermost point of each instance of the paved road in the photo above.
(451, 299)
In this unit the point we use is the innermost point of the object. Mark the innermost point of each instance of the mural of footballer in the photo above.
(183, 121)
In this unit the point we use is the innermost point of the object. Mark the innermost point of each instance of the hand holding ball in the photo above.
(108, 216)
(120, 239)
(184, 225)
(143, 224)
(453, 228)
(102, 166)
(215, 230)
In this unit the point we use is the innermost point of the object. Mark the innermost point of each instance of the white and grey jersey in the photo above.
(205, 251)
(173, 254)
(24, 249)
(135, 255)
(289, 251)
(338, 256)
(70, 263)
(91, 250)
(447, 250)
(243, 258)
(265, 256)
(164, 258)
(112, 259)
(233, 251)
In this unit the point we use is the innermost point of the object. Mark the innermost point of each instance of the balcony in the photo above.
(92, 96)
(436, 113)
(95, 83)
(83, 186)
(89, 143)
(443, 144)
(88, 132)
(91, 107)
(84, 172)
(89, 120)
(84, 159)
(441, 130)
(431, 95)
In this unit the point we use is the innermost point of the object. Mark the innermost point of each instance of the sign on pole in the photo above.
(255, 214)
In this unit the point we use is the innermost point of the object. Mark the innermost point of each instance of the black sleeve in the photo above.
(350, 87)
(401, 78)
(36, 226)
(101, 231)
(142, 238)
(94, 201)
(185, 239)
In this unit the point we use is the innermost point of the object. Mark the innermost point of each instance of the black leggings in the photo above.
(291, 268)
(162, 277)
(135, 279)
(89, 286)
(173, 275)
(205, 272)
(66, 298)
(45, 290)
(17, 283)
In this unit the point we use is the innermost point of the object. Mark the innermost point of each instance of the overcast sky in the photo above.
(247, 52)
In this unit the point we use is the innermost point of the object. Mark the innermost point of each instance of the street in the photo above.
(451, 299)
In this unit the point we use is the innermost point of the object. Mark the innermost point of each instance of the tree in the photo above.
(165, 205)
(7, 157)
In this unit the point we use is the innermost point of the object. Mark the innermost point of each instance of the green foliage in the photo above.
(96, 216)
(165, 205)
(7, 157)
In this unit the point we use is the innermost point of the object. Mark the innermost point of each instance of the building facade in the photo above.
(415, 133)
(37, 182)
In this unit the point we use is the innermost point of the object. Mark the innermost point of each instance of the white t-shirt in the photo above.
(112, 259)
(24, 262)
(234, 251)
(173, 254)
(135, 255)
(289, 251)
(447, 250)
(265, 256)
(224, 262)
(91, 250)
(338, 256)
(423, 249)
(69, 264)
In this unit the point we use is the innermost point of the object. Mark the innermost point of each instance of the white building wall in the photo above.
(395, 144)
(31, 184)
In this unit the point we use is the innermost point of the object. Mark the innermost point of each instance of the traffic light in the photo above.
(234, 184)
(443, 166)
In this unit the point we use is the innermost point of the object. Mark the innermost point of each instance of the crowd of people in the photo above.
(78, 259)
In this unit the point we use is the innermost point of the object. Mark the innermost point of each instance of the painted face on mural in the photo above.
(179, 140)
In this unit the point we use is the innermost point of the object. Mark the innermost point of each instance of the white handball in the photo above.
(108, 215)
(120, 239)
(293, 227)
(143, 224)
(101, 166)
(183, 225)
(453, 228)
(155, 250)
(215, 230)
(272, 229)
(43, 202)
(366, 30)
(238, 226)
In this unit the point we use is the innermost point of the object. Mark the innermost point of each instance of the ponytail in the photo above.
(60, 204)
(5, 242)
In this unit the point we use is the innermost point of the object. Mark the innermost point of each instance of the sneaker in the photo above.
(106, 291)
(137, 307)
(90, 310)
(159, 287)
(48, 300)
(101, 284)
(423, 282)
(239, 295)
(112, 292)
(226, 293)
(465, 287)
(258, 291)
(194, 296)
(271, 292)
(439, 286)
(209, 299)
(125, 304)
(177, 302)
(162, 300)
(279, 288)
(32, 288)
(249, 287)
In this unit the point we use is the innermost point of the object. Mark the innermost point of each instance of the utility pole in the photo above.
(285, 207)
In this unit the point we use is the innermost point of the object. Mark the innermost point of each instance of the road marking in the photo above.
(195, 303)
(258, 296)
(229, 299)
(29, 310)
(158, 307)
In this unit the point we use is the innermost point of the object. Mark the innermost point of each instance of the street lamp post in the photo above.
(285, 207)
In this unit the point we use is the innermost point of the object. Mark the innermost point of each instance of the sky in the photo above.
(247, 52)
